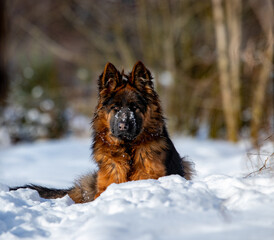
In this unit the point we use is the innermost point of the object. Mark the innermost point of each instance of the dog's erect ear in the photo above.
(140, 75)
(109, 78)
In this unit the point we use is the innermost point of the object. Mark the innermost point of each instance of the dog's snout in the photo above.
(123, 126)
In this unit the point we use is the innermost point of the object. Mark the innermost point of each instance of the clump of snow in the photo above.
(219, 203)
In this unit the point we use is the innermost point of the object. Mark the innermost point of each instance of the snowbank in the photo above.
(218, 204)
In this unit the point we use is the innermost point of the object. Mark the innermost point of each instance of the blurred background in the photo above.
(212, 63)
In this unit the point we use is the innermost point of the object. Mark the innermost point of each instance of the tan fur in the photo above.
(84, 189)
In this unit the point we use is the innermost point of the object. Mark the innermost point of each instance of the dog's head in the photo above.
(124, 101)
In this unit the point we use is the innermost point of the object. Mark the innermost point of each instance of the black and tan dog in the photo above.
(130, 139)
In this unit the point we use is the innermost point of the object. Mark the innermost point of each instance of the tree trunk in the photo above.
(223, 65)
(264, 13)
(3, 71)
(233, 10)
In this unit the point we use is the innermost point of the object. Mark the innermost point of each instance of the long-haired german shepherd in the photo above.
(130, 139)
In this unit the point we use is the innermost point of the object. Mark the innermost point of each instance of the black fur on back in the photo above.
(176, 164)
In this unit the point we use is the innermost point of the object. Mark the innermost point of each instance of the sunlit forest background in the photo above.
(212, 63)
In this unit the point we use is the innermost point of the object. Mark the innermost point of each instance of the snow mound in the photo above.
(219, 203)
(168, 208)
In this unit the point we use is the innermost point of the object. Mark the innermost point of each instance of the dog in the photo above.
(130, 138)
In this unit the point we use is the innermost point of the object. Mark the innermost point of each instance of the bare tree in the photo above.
(228, 61)
(233, 15)
(264, 13)
(3, 70)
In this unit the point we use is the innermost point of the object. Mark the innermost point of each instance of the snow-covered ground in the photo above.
(219, 203)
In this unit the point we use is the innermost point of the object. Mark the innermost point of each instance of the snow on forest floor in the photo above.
(219, 203)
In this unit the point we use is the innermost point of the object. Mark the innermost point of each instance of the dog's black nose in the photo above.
(123, 126)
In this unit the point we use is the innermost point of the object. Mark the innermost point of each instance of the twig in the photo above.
(261, 168)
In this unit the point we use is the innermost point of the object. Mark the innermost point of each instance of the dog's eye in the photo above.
(115, 108)
(134, 107)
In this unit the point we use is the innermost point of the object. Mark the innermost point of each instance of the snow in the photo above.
(219, 203)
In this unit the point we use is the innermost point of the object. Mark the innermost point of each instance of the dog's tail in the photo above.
(83, 190)
(45, 192)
